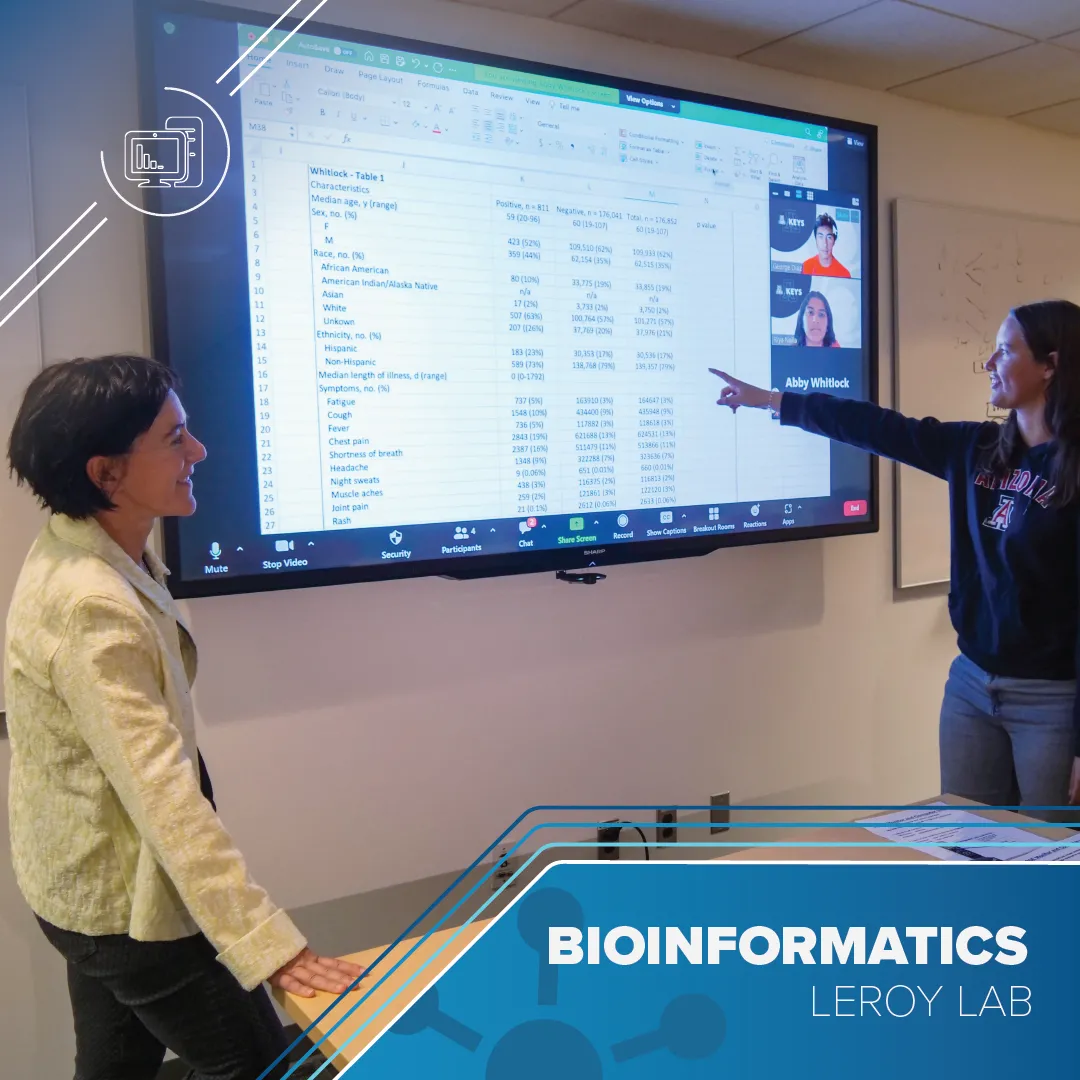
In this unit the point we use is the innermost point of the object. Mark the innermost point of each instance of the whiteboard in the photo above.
(20, 336)
(957, 272)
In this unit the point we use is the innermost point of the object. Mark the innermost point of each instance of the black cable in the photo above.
(643, 840)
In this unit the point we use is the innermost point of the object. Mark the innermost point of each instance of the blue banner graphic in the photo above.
(707, 969)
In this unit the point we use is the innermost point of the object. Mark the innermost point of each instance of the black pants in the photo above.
(132, 999)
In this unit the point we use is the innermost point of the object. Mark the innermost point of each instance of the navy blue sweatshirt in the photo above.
(1015, 586)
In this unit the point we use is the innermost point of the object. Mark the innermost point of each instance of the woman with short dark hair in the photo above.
(115, 838)
(1009, 730)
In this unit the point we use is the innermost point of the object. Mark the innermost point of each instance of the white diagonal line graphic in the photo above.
(47, 250)
(53, 271)
(259, 65)
(256, 44)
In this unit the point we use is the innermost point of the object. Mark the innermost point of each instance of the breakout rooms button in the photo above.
(855, 508)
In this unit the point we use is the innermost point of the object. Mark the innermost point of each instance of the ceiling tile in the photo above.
(886, 43)
(1017, 81)
(1070, 41)
(1064, 117)
(720, 27)
(541, 8)
(1036, 18)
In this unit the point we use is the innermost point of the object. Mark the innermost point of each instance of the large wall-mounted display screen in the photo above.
(454, 314)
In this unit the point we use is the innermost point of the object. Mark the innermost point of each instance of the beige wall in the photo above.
(367, 735)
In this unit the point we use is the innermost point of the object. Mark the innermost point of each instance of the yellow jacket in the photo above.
(110, 832)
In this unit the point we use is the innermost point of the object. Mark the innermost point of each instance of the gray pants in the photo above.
(1008, 742)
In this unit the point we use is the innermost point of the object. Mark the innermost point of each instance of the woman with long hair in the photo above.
(1010, 723)
(814, 326)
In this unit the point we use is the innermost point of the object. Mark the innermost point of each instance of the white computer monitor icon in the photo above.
(156, 159)
(168, 157)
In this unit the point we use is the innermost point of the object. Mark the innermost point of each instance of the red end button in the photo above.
(855, 508)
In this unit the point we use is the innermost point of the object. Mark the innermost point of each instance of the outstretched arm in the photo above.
(929, 444)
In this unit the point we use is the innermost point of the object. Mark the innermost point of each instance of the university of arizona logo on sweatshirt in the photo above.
(1020, 481)
(1001, 517)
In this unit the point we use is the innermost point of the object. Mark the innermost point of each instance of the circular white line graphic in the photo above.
(179, 213)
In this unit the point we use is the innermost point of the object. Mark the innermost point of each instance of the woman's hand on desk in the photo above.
(1074, 783)
(308, 972)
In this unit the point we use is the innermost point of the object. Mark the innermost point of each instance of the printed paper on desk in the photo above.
(965, 836)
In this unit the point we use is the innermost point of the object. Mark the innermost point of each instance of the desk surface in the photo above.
(304, 1011)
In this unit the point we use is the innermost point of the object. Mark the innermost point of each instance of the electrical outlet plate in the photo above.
(720, 812)
(607, 839)
(667, 831)
(503, 869)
